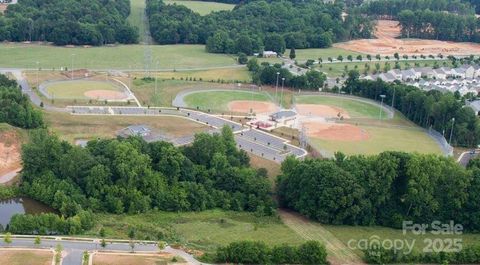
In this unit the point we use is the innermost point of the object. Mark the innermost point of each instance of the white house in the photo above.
(269, 54)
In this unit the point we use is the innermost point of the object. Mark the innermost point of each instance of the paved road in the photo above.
(465, 157)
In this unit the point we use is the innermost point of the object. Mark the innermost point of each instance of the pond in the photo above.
(20, 205)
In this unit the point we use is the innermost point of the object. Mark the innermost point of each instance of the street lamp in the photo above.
(281, 98)
(276, 87)
(73, 56)
(381, 106)
(451, 131)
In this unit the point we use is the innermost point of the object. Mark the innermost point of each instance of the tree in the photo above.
(161, 245)
(58, 253)
(37, 241)
(350, 57)
(242, 58)
(369, 57)
(312, 252)
(103, 243)
(359, 57)
(7, 238)
(275, 42)
(396, 56)
(292, 53)
(340, 58)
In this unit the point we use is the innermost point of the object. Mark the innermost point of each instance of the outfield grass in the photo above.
(235, 74)
(218, 100)
(22, 257)
(303, 55)
(382, 139)
(355, 108)
(205, 230)
(203, 8)
(123, 57)
(76, 89)
(72, 127)
(338, 69)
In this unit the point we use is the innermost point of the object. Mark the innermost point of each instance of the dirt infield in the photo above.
(105, 95)
(387, 43)
(335, 132)
(321, 111)
(244, 106)
(10, 159)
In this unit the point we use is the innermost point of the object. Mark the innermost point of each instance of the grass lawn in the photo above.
(204, 231)
(128, 259)
(218, 100)
(137, 9)
(355, 108)
(203, 8)
(273, 168)
(71, 127)
(346, 233)
(76, 89)
(381, 139)
(235, 74)
(22, 257)
(303, 55)
(337, 69)
(119, 57)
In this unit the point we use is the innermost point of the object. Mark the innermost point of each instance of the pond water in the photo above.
(20, 205)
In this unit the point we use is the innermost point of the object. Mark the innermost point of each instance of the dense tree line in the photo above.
(251, 252)
(132, 176)
(51, 223)
(426, 108)
(379, 255)
(78, 22)
(256, 26)
(392, 8)
(15, 108)
(438, 25)
(384, 189)
(266, 74)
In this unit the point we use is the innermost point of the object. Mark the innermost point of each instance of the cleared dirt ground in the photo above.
(244, 106)
(25, 257)
(129, 259)
(10, 160)
(387, 43)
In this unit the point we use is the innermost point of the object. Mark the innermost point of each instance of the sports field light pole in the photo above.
(451, 131)
(73, 56)
(381, 106)
(281, 98)
(276, 87)
(38, 70)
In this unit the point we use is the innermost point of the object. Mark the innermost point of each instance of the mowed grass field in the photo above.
(76, 89)
(124, 57)
(218, 100)
(355, 109)
(238, 74)
(137, 9)
(203, 8)
(23, 257)
(129, 259)
(71, 127)
(204, 231)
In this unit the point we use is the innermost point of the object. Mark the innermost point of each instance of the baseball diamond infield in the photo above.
(84, 89)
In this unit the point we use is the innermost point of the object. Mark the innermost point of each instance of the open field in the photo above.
(387, 43)
(273, 168)
(123, 57)
(23, 257)
(303, 55)
(71, 127)
(228, 74)
(222, 101)
(85, 89)
(166, 90)
(203, 8)
(354, 108)
(130, 259)
(137, 8)
(346, 233)
(368, 67)
(204, 231)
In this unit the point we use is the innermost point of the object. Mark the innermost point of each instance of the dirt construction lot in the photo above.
(9, 153)
(23, 257)
(245, 106)
(387, 43)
